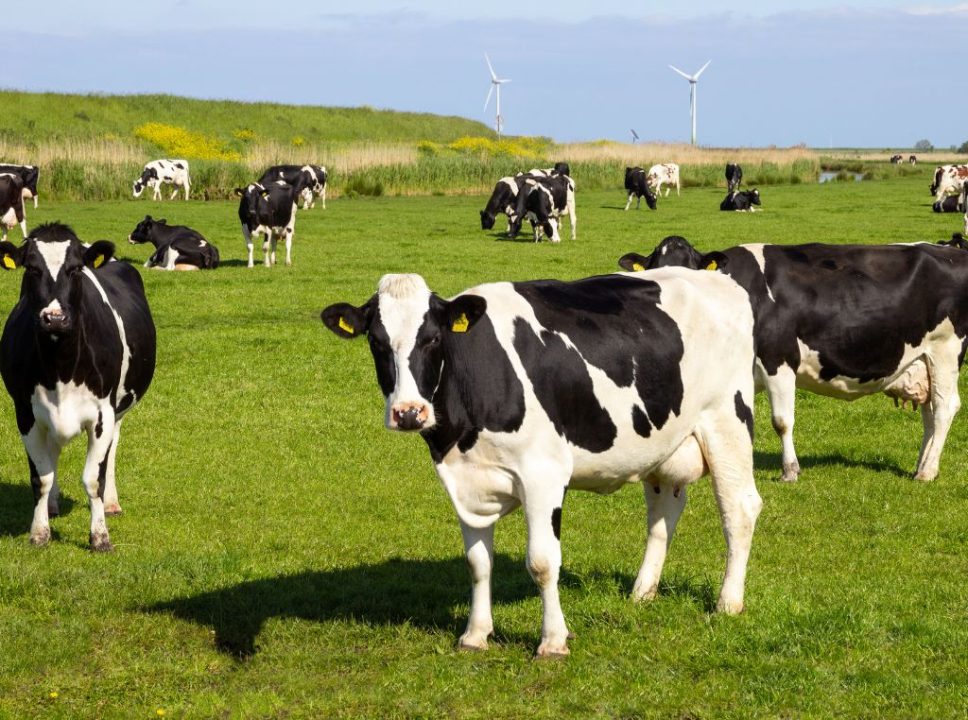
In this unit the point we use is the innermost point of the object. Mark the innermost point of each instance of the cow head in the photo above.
(142, 182)
(143, 230)
(53, 260)
(487, 220)
(409, 329)
(673, 250)
(754, 196)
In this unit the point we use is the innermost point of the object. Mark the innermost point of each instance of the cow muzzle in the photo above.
(54, 321)
(410, 416)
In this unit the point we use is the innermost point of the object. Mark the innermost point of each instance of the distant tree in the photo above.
(964, 147)
(923, 145)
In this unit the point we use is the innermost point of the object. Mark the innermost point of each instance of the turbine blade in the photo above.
(687, 77)
(501, 81)
(489, 92)
(488, 60)
(696, 76)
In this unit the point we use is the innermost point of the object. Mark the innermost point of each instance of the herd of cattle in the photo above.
(523, 390)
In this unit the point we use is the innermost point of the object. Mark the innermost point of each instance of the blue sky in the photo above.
(820, 72)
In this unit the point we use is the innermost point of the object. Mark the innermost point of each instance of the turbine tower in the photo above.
(496, 82)
(693, 79)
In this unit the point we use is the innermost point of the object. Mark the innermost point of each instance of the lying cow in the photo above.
(176, 247)
(167, 172)
(637, 187)
(849, 321)
(309, 181)
(270, 211)
(543, 201)
(524, 390)
(12, 204)
(948, 180)
(28, 174)
(742, 201)
(666, 173)
(734, 176)
(950, 203)
(77, 353)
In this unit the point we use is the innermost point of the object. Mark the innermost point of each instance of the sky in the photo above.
(882, 74)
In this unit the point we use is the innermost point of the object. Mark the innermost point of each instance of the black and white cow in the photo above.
(896, 159)
(176, 247)
(848, 321)
(637, 187)
(270, 211)
(158, 172)
(948, 180)
(913, 159)
(734, 176)
(957, 240)
(667, 173)
(560, 168)
(543, 200)
(12, 204)
(308, 180)
(29, 174)
(525, 390)
(504, 199)
(742, 201)
(950, 203)
(77, 353)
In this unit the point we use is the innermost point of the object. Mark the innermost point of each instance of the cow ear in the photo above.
(714, 261)
(161, 221)
(99, 253)
(464, 311)
(347, 321)
(11, 256)
(633, 262)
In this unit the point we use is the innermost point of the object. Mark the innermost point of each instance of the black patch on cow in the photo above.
(556, 522)
(179, 166)
(743, 412)
(102, 472)
(99, 427)
(640, 423)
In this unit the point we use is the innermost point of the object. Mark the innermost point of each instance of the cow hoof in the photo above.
(922, 476)
(40, 538)
(729, 607)
(791, 473)
(469, 647)
(548, 652)
(112, 509)
(101, 543)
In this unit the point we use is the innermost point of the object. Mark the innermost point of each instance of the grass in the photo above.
(282, 555)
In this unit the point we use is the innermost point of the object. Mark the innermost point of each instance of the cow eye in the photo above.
(433, 340)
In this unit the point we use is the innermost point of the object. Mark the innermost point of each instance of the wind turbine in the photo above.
(693, 79)
(496, 82)
(635, 135)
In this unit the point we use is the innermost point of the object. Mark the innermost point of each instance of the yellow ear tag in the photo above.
(346, 326)
(637, 267)
(712, 265)
(460, 324)
(98, 261)
(8, 262)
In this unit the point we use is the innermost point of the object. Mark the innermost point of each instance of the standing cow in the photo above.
(504, 199)
(270, 211)
(734, 176)
(848, 321)
(29, 174)
(524, 390)
(176, 247)
(947, 180)
(543, 200)
(666, 173)
(159, 172)
(637, 187)
(309, 181)
(77, 353)
(12, 204)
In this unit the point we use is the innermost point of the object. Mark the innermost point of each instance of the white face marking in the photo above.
(53, 254)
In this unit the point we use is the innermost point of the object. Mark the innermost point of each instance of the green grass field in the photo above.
(282, 555)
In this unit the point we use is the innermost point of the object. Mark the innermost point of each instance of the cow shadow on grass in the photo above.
(774, 462)
(17, 507)
(430, 594)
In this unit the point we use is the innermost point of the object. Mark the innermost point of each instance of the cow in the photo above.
(308, 180)
(913, 159)
(29, 174)
(524, 390)
(665, 173)
(270, 211)
(158, 172)
(504, 199)
(957, 240)
(734, 176)
(637, 187)
(742, 201)
(176, 247)
(560, 168)
(948, 180)
(77, 353)
(12, 204)
(543, 201)
(896, 159)
(950, 203)
(848, 321)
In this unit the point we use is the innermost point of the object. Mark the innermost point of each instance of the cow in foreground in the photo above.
(743, 201)
(28, 174)
(525, 390)
(167, 172)
(666, 173)
(948, 180)
(734, 176)
(12, 204)
(77, 353)
(309, 181)
(176, 247)
(543, 201)
(848, 321)
(270, 211)
(637, 187)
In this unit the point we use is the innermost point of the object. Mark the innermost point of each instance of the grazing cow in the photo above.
(29, 174)
(950, 203)
(896, 159)
(948, 180)
(848, 321)
(157, 172)
(524, 390)
(77, 353)
(12, 204)
(666, 173)
(176, 247)
(560, 168)
(913, 159)
(308, 180)
(269, 210)
(543, 201)
(504, 199)
(742, 201)
(637, 187)
(734, 176)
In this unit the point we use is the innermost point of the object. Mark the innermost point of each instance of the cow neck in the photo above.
(451, 410)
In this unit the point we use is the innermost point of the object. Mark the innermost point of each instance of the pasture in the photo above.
(282, 555)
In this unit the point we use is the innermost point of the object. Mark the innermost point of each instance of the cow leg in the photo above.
(665, 504)
(542, 509)
(94, 477)
(571, 219)
(288, 248)
(322, 196)
(479, 551)
(156, 191)
(187, 187)
(23, 225)
(938, 414)
(248, 242)
(269, 248)
(42, 456)
(781, 389)
(627, 204)
(174, 192)
(111, 504)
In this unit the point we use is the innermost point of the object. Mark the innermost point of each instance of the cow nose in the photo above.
(409, 418)
(53, 320)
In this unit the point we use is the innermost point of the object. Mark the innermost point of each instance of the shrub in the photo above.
(179, 142)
